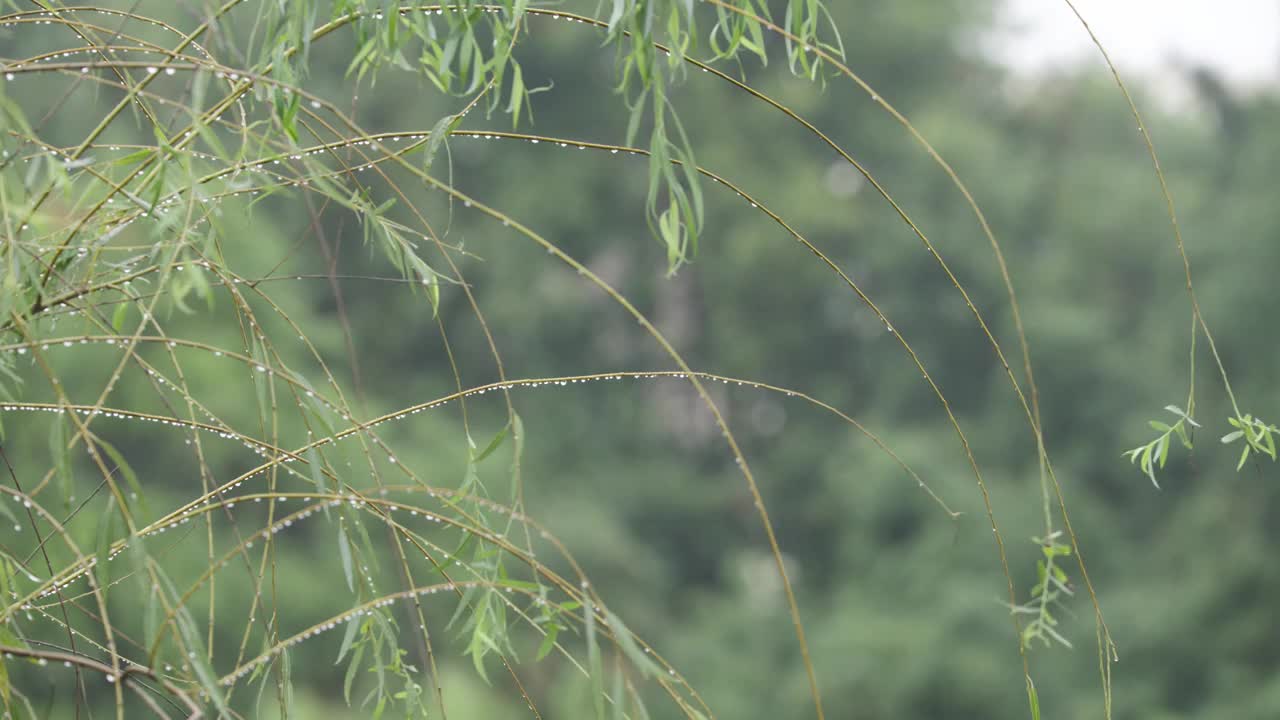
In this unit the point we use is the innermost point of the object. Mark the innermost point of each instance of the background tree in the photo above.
(340, 333)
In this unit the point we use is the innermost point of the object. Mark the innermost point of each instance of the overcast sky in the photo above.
(1148, 38)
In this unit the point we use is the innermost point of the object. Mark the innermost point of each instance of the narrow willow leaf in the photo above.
(348, 638)
(8, 515)
(107, 531)
(118, 317)
(312, 457)
(619, 694)
(625, 642)
(548, 641)
(615, 16)
(1034, 699)
(349, 677)
(437, 137)
(8, 638)
(344, 552)
(594, 665)
(5, 689)
(641, 712)
(141, 510)
(61, 458)
(196, 654)
(286, 679)
(518, 94)
(493, 445)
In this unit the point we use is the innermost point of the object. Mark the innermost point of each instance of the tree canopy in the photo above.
(635, 359)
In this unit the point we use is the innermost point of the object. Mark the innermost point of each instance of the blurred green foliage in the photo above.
(904, 605)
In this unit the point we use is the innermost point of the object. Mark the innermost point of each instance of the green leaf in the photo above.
(619, 695)
(517, 94)
(61, 457)
(348, 637)
(493, 445)
(133, 157)
(437, 137)
(5, 690)
(197, 656)
(119, 316)
(626, 643)
(1034, 698)
(142, 510)
(1182, 435)
(8, 638)
(594, 665)
(313, 468)
(352, 669)
(107, 530)
(344, 552)
(641, 712)
(548, 641)
(1182, 414)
